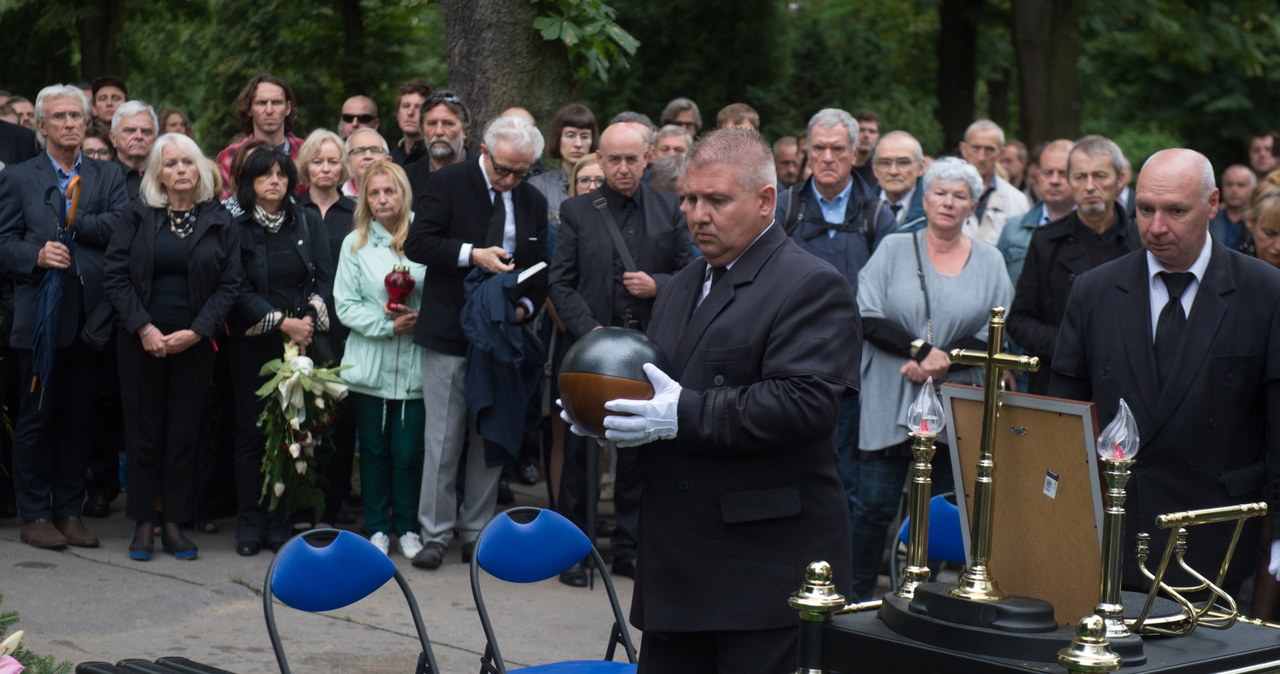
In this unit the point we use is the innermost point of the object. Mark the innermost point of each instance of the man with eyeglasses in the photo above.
(684, 113)
(358, 112)
(53, 426)
(477, 213)
(838, 217)
(898, 161)
(592, 287)
(133, 132)
(364, 147)
(266, 109)
(1000, 200)
(1048, 178)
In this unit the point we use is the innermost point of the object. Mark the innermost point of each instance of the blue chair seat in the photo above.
(945, 540)
(578, 667)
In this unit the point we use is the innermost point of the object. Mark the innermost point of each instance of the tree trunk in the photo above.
(1046, 42)
(351, 63)
(998, 95)
(497, 60)
(957, 67)
(98, 23)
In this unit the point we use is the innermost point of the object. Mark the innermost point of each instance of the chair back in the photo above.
(946, 542)
(327, 569)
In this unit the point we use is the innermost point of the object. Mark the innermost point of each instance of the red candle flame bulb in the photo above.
(400, 284)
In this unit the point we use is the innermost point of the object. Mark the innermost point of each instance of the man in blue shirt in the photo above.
(1227, 225)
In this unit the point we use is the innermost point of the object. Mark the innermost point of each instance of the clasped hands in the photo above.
(160, 345)
(935, 364)
(641, 421)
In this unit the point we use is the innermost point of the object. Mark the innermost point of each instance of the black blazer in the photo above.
(748, 489)
(26, 223)
(582, 274)
(17, 144)
(1055, 258)
(1211, 435)
(213, 268)
(313, 247)
(454, 209)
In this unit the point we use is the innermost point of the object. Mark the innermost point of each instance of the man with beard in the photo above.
(444, 129)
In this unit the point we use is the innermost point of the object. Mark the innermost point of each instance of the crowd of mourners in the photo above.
(193, 266)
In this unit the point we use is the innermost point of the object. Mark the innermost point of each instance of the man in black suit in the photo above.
(473, 214)
(53, 427)
(1187, 332)
(17, 144)
(591, 288)
(741, 489)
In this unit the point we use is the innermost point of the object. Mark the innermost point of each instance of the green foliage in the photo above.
(594, 40)
(34, 663)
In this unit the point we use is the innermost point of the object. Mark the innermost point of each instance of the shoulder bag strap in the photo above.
(928, 315)
(628, 262)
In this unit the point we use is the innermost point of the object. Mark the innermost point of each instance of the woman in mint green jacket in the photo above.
(385, 366)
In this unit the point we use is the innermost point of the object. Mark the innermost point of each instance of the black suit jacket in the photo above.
(213, 267)
(453, 210)
(747, 494)
(1211, 435)
(26, 223)
(17, 144)
(1055, 258)
(582, 282)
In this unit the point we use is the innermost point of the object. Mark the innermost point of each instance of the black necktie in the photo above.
(896, 208)
(1171, 323)
(497, 222)
(717, 273)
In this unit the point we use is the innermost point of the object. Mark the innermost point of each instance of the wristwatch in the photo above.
(916, 345)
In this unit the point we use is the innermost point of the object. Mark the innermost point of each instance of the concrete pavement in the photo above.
(97, 604)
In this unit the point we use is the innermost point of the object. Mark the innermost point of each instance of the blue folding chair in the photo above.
(327, 569)
(946, 543)
(528, 552)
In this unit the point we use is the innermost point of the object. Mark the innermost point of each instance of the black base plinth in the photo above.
(935, 618)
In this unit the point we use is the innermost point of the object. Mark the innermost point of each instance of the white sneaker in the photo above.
(381, 541)
(410, 544)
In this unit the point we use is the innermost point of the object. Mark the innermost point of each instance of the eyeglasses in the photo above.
(900, 162)
(691, 126)
(503, 171)
(587, 181)
(364, 119)
(368, 149)
(100, 153)
(443, 96)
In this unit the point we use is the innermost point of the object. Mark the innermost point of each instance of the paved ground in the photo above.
(97, 604)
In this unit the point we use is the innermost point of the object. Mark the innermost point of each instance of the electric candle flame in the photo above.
(925, 415)
(1119, 440)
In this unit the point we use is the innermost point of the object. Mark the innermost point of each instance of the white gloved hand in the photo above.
(653, 419)
(1273, 567)
(573, 427)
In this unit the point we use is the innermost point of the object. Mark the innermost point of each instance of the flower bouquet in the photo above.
(297, 421)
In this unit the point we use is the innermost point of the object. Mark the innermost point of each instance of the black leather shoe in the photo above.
(624, 567)
(574, 576)
(248, 548)
(527, 473)
(468, 549)
(97, 505)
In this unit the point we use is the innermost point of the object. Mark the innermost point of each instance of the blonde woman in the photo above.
(385, 372)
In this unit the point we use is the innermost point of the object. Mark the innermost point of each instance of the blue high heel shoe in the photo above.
(143, 543)
(180, 547)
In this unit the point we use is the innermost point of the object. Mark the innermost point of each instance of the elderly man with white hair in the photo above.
(477, 213)
(133, 131)
(999, 200)
(53, 427)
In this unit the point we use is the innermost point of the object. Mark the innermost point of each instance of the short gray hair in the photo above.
(985, 125)
(515, 131)
(1253, 178)
(1203, 165)
(828, 118)
(55, 91)
(954, 170)
(679, 105)
(346, 146)
(130, 108)
(916, 150)
(673, 130)
(1095, 146)
(666, 172)
(152, 193)
(742, 147)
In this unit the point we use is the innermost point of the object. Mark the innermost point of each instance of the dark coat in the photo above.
(582, 274)
(747, 494)
(1211, 435)
(17, 144)
(455, 209)
(251, 304)
(849, 250)
(1054, 259)
(213, 268)
(26, 223)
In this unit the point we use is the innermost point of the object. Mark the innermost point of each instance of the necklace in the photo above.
(182, 223)
(271, 223)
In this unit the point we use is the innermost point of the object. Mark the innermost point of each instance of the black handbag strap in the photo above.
(628, 262)
(928, 315)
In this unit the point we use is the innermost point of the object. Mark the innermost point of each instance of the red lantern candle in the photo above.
(399, 284)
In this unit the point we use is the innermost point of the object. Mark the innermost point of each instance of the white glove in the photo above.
(653, 419)
(574, 428)
(1273, 567)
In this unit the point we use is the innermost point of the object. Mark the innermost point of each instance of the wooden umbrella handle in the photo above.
(73, 193)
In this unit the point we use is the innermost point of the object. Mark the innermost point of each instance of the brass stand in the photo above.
(1109, 607)
(917, 570)
(1089, 652)
(977, 583)
(816, 601)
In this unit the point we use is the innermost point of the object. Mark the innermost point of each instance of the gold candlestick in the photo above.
(1117, 447)
(977, 582)
(1089, 652)
(926, 419)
